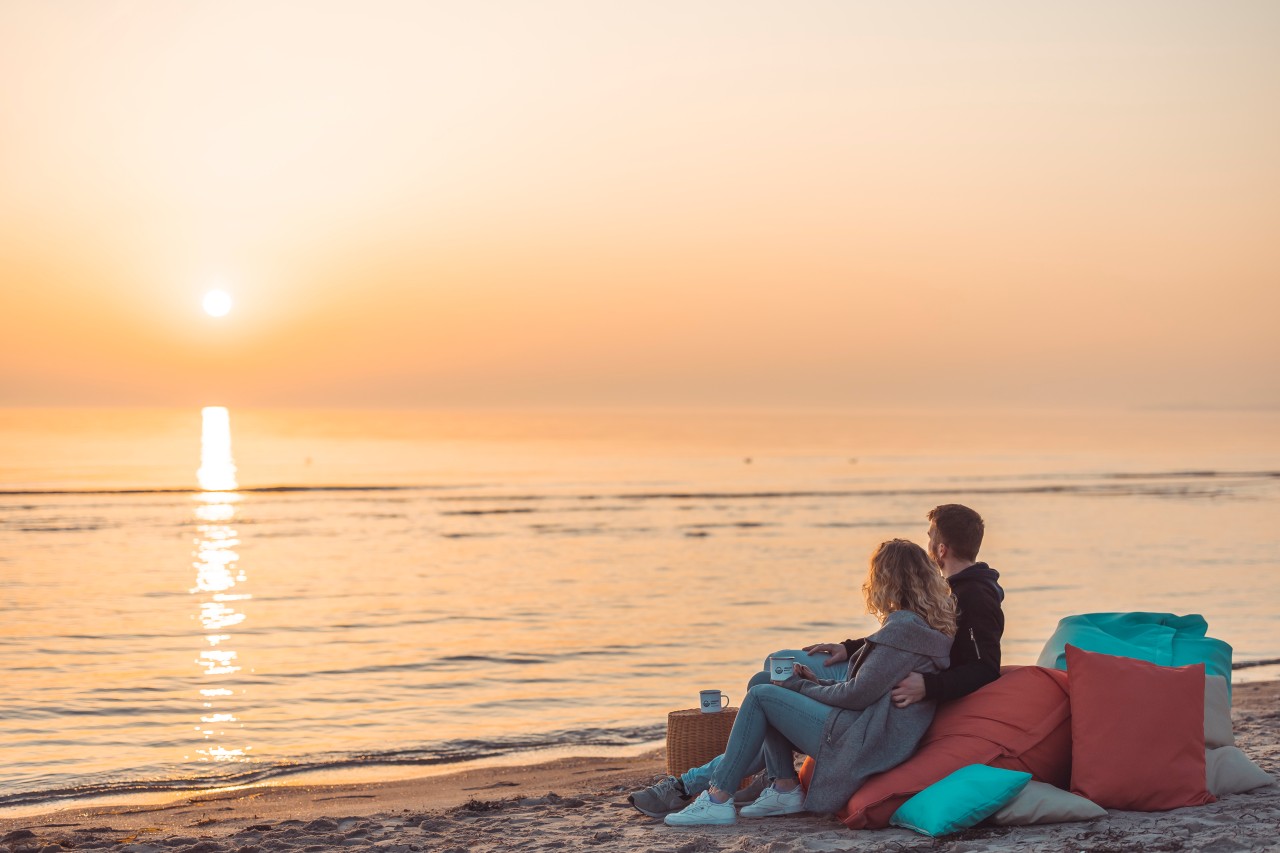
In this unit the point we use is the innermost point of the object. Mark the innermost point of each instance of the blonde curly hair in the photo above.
(902, 577)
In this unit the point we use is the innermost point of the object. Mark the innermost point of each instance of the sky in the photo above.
(826, 204)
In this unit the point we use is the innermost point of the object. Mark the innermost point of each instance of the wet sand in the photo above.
(580, 804)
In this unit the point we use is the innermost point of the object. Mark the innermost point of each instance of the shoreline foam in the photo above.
(580, 803)
(345, 774)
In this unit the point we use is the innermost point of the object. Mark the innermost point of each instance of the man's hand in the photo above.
(908, 691)
(804, 672)
(835, 652)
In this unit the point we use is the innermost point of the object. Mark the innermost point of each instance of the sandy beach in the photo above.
(580, 803)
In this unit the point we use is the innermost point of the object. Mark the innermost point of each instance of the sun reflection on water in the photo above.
(218, 584)
(217, 471)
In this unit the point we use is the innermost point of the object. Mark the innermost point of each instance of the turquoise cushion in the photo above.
(967, 796)
(1159, 638)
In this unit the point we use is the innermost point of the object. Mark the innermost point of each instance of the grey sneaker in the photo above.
(662, 799)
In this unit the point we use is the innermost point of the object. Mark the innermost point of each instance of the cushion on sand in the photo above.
(1043, 803)
(1021, 721)
(959, 801)
(1217, 713)
(1161, 638)
(1229, 771)
(1137, 732)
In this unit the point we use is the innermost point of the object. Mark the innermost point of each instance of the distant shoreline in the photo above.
(1117, 482)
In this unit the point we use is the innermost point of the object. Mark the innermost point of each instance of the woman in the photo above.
(849, 727)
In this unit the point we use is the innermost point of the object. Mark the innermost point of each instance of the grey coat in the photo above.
(866, 734)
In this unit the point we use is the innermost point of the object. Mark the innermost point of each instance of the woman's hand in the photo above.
(835, 652)
(802, 671)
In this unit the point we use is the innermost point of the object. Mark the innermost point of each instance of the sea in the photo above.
(209, 598)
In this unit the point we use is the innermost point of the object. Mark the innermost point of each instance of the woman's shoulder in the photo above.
(906, 629)
(904, 617)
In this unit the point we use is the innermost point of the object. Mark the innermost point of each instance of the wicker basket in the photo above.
(694, 738)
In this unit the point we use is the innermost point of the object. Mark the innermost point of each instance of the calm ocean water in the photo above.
(400, 591)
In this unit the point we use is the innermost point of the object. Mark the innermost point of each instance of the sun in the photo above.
(217, 303)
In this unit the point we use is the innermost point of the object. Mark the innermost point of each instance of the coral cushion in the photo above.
(1137, 732)
(1021, 721)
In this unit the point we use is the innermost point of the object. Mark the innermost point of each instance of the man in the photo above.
(955, 536)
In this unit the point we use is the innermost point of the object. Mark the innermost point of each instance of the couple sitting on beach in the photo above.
(941, 624)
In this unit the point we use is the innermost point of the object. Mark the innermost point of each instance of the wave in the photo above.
(446, 752)
(1092, 483)
(251, 490)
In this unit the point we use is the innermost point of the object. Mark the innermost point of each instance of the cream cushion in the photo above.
(1217, 713)
(1041, 802)
(1229, 771)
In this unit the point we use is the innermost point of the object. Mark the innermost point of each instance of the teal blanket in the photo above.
(1160, 638)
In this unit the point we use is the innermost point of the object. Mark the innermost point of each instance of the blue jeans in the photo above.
(698, 779)
(774, 720)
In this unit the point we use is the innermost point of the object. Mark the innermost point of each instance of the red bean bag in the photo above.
(1020, 721)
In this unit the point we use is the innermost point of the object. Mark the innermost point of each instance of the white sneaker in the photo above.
(703, 811)
(773, 802)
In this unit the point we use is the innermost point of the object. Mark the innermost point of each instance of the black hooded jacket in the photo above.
(975, 651)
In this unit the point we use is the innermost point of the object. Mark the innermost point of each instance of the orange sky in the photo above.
(510, 203)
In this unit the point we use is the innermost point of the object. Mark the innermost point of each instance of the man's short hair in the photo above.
(959, 528)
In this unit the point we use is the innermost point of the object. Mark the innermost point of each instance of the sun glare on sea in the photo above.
(217, 469)
(217, 303)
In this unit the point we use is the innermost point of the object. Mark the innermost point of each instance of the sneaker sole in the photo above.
(649, 813)
(745, 813)
(702, 823)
